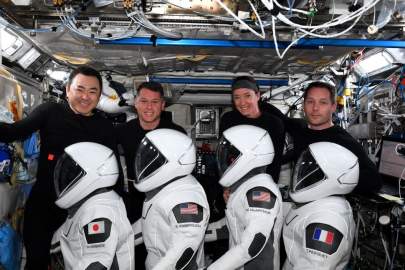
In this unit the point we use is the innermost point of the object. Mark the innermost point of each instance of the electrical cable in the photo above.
(395, 250)
(140, 17)
(69, 21)
(336, 21)
(262, 35)
(200, 13)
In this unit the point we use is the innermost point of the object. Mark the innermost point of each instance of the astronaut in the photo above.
(253, 210)
(318, 231)
(97, 233)
(175, 212)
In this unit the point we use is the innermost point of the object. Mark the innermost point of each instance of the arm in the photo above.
(137, 229)
(272, 110)
(98, 241)
(322, 250)
(217, 231)
(224, 123)
(25, 127)
(188, 222)
(261, 213)
(369, 178)
(277, 134)
(291, 124)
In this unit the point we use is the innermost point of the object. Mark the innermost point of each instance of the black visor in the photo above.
(148, 160)
(307, 172)
(67, 173)
(227, 154)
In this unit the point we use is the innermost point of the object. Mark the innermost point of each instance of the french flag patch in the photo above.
(261, 196)
(323, 236)
(188, 209)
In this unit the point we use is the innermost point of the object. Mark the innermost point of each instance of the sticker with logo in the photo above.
(261, 197)
(97, 231)
(323, 238)
(188, 212)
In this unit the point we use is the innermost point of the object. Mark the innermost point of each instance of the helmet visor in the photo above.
(66, 175)
(227, 155)
(148, 160)
(307, 172)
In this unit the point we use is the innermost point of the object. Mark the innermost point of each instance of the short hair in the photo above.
(87, 71)
(245, 82)
(153, 86)
(319, 84)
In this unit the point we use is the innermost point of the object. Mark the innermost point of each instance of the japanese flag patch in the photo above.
(97, 231)
(96, 227)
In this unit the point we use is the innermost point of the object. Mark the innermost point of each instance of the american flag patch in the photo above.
(323, 236)
(261, 196)
(188, 209)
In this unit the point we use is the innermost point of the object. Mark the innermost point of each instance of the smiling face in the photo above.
(246, 101)
(318, 108)
(149, 105)
(83, 94)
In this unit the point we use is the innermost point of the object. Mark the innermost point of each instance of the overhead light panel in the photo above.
(9, 43)
(102, 3)
(27, 59)
(375, 63)
(57, 75)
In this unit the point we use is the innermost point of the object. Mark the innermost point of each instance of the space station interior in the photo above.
(195, 48)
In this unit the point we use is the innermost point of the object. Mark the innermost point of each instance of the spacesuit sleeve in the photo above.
(217, 231)
(99, 240)
(262, 209)
(55, 243)
(322, 242)
(137, 229)
(188, 222)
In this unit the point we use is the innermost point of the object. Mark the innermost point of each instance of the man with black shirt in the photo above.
(319, 105)
(59, 125)
(149, 104)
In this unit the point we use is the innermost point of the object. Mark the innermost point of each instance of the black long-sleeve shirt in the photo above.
(59, 127)
(369, 178)
(272, 124)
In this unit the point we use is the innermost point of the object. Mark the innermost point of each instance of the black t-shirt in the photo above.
(129, 136)
(369, 178)
(272, 124)
(59, 127)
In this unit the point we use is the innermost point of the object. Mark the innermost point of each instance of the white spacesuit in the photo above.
(175, 212)
(97, 233)
(253, 214)
(319, 234)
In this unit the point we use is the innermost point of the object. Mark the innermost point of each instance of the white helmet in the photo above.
(163, 155)
(241, 149)
(322, 170)
(82, 169)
